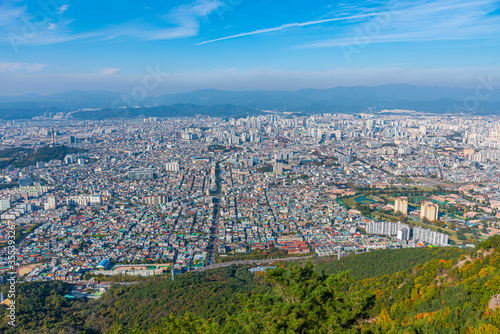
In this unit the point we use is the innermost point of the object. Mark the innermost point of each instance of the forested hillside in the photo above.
(20, 157)
(211, 295)
(437, 290)
(383, 262)
(441, 296)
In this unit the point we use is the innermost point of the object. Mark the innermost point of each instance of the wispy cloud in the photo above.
(10, 14)
(15, 67)
(62, 9)
(181, 22)
(292, 25)
(430, 20)
(413, 20)
(109, 71)
(19, 26)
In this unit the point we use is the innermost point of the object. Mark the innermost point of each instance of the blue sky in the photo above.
(49, 46)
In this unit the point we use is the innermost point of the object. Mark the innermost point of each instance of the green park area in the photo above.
(20, 157)
(416, 195)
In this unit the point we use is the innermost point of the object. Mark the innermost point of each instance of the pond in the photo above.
(363, 198)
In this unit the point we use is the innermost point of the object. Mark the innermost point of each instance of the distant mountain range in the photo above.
(227, 103)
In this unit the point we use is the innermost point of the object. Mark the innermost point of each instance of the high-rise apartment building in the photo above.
(78, 201)
(387, 228)
(430, 237)
(51, 203)
(95, 199)
(404, 233)
(141, 174)
(5, 203)
(172, 167)
(401, 205)
(278, 168)
(155, 200)
(429, 210)
(283, 155)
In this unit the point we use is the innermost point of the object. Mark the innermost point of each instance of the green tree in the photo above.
(303, 301)
(186, 324)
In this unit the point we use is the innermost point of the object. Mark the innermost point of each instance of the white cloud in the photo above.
(393, 21)
(14, 67)
(19, 27)
(181, 22)
(109, 71)
(10, 14)
(291, 25)
(429, 20)
(62, 9)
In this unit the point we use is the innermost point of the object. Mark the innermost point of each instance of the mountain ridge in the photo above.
(357, 99)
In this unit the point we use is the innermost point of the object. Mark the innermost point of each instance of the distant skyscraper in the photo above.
(155, 200)
(254, 138)
(95, 199)
(401, 205)
(141, 174)
(5, 203)
(51, 203)
(404, 150)
(404, 233)
(78, 201)
(278, 168)
(172, 167)
(429, 210)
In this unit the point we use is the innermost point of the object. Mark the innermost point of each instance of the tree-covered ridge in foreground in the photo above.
(384, 261)
(447, 294)
(213, 294)
(441, 296)
(302, 301)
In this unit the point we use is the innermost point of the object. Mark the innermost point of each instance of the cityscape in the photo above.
(249, 167)
(173, 195)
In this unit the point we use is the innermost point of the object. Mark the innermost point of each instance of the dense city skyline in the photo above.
(188, 193)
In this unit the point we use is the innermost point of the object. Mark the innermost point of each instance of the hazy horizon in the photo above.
(159, 92)
(50, 47)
